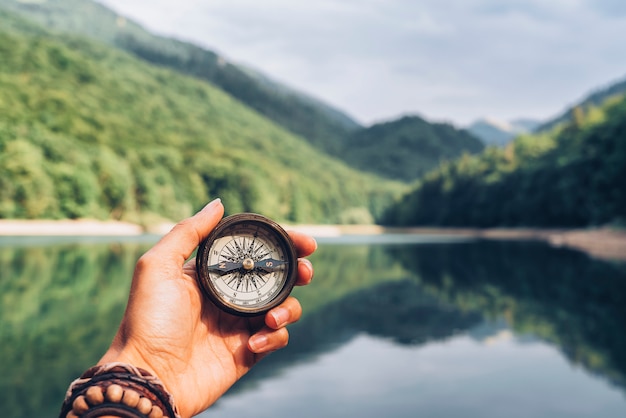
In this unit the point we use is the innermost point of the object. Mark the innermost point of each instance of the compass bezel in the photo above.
(281, 237)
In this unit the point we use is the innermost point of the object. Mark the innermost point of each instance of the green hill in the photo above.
(571, 176)
(89, 131)
(406, 148)
(401, 150)
(321, 124)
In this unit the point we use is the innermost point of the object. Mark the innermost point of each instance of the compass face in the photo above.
(247, 265)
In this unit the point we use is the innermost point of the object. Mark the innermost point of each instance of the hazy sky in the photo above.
(454, 60)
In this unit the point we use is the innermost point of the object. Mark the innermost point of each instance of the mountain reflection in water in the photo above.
(539, 305)
(446, 329)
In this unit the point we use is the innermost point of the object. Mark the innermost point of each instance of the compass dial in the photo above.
(247, 265)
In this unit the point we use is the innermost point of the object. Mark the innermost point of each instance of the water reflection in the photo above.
(60, 306)
(467, 326)
(545, 309)
(456, 377)
(561, 296)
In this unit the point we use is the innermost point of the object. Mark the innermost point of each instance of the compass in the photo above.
(247, 265)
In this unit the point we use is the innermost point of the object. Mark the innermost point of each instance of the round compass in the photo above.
(247, 265)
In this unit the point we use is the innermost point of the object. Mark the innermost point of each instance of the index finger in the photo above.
(305, 244)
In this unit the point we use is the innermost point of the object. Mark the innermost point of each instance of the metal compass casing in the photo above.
(247, 265)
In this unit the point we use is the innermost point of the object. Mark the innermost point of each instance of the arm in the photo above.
(172, 332)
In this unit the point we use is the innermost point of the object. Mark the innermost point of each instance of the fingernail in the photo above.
(212, 203)
(307, 264)
(281, 316)
(258, 342)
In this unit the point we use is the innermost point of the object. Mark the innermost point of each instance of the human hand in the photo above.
(171, 330)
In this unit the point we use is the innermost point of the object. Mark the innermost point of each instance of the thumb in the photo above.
(182, 240)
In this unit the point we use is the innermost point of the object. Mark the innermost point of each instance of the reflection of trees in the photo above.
(397, 310)
(60, 306)
(59, 309)
(562, 296)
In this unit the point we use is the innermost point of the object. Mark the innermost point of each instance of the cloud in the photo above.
(376, 59)
(609, 8)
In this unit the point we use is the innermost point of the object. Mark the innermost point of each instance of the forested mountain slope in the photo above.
(592, 100)
(571, 176)
(402, 149)
(89, 131)
(406, 148)
(321, 124)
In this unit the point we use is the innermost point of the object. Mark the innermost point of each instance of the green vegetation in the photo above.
(593, 100)
(406, 148)
(319, 123)
(571, 176)
(401, 150)
(88, 131)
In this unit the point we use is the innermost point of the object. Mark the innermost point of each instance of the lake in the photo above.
(393, 325)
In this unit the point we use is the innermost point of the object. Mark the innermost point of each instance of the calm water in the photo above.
(393, 326)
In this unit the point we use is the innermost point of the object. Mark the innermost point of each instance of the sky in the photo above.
(445, 60)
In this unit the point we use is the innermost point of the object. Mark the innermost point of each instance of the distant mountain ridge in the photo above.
(405, 148)
(322, 125)
(595, 98)
(570, 176)
(499, 133)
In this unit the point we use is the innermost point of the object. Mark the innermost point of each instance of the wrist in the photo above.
(117, 389)
(128, 355)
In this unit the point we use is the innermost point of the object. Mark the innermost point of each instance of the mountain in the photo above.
(325, 127)
(321, 124)
(87, 130)
(571, 176)
(593, 99)
(499, 133)
(406, 148)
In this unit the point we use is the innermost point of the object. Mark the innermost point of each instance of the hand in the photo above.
(171, 330)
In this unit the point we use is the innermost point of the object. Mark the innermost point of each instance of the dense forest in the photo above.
(321, 124)
(89, 131)
(402, 149)
(572, 175)
(93, 128)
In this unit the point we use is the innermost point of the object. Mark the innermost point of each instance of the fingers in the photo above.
(266, 342)
(275, 336)
(286, 313)
(182, 240)
(305, 244)
(305, 272)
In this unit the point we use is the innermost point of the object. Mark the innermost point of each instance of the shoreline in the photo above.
(603, 243)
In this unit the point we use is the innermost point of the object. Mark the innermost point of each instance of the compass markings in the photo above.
(237, 248)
